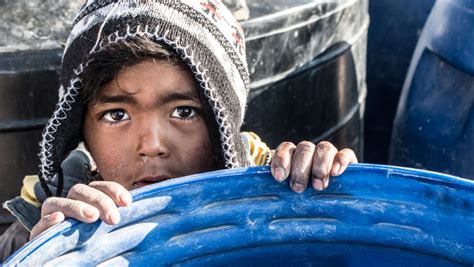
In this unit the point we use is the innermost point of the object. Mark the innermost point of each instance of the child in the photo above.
(155, 90)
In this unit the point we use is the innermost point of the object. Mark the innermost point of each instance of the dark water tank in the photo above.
(307, 61)
(31, 33)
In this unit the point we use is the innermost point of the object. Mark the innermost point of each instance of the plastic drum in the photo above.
(307, 64)
(370, 216)
(390, 47)
(434, 125)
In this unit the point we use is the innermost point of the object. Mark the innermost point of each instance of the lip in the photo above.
(150, 180)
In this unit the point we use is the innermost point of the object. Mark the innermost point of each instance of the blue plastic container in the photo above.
(434, 126)
(370, 216)
(395, 26)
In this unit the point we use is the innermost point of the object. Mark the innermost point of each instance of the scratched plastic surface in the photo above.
(285, 36)
(369, 216)
(313, 50)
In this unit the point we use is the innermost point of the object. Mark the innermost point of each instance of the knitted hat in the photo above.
(202, 32)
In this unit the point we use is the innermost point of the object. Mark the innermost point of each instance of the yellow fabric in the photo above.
(259, 151)
(28, 190)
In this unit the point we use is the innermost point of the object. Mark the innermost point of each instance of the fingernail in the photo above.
(126, 199)
(113, 217)
(326, 183)
(279, 174)
(341, 170)
(298, 188)
(50, 217)
(335, 169)
(318, 184)
(89, 213)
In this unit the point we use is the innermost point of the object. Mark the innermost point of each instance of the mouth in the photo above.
(149, 180)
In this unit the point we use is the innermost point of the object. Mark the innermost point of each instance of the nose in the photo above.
(153, 141)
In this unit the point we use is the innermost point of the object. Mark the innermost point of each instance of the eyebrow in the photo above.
(129, 99)
(106, 99)
(179, 96)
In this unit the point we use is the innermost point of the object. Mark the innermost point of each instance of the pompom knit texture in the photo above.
(202, 32)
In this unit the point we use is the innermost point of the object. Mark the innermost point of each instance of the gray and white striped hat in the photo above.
(202, 32)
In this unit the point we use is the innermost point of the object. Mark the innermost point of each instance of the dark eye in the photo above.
(184, 112)
(116, 115)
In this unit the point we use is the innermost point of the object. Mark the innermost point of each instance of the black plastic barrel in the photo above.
(28, 89)
(307, 65)
(31, 34)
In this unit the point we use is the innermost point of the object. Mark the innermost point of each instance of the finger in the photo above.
(70, 208)
(115, 191)
(326, 183)
(281, 161)
(108, 211)
(301, 166)
(322, 163)
(46, 222)
(342, 159)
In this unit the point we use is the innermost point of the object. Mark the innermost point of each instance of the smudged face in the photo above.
(147, 126)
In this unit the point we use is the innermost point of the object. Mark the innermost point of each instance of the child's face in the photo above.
(147, 126)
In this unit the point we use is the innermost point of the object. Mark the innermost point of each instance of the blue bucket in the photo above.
(370, 216)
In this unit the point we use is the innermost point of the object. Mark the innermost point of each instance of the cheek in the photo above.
(110, 162)
(109, 157)
(200, 154)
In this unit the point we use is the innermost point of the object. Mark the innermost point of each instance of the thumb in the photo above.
(46, 222)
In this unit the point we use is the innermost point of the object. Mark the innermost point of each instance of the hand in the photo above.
(86, 203)
(307, 162)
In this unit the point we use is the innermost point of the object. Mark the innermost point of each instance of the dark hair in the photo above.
(106, 65)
